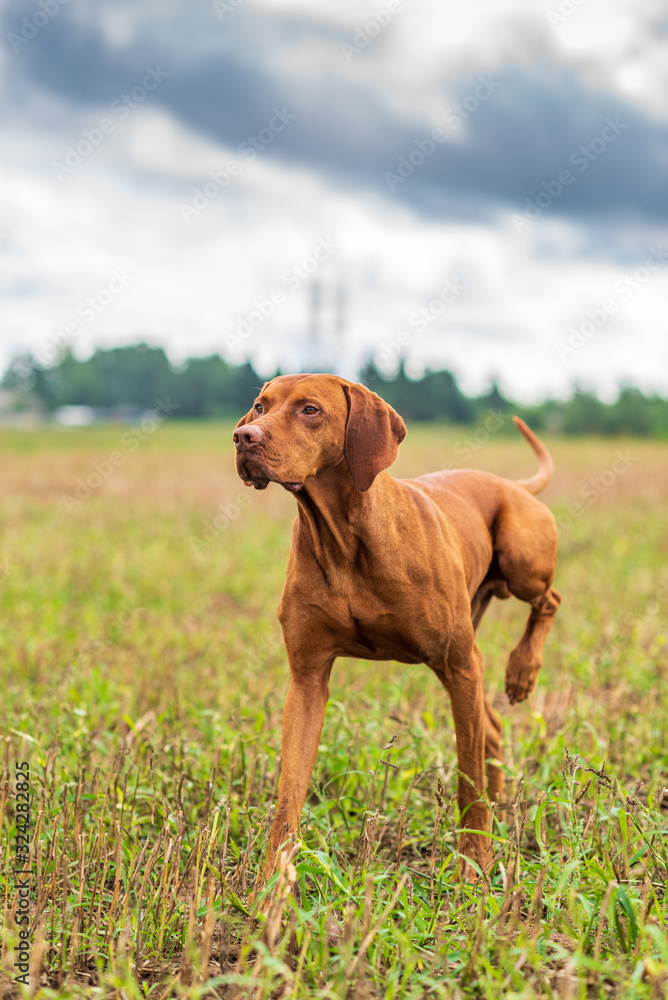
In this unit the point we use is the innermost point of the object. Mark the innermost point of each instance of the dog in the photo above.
(395, 569)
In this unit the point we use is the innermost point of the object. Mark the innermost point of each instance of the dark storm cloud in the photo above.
(511, 148)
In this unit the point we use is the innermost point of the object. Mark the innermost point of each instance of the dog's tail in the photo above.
(546, 470)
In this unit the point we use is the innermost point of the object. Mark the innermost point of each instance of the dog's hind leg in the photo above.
(526, 658)
(491, 586)
(493, 751)
(526, 548)
(460, 672)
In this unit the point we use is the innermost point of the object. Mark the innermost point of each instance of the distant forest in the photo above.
(209, 387)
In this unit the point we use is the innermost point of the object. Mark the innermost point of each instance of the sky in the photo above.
(481, 186)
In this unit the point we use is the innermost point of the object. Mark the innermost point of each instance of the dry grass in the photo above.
(143, 676)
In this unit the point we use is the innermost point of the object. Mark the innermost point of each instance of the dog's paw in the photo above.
(517, 692)
(521, 677)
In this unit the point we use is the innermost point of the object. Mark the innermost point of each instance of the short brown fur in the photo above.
(382, 568)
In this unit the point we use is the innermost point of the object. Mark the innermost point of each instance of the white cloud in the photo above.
(193, 283)
(614, 44)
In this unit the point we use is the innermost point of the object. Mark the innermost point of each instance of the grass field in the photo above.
(142, 677)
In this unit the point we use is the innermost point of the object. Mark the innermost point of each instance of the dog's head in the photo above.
(302, 424)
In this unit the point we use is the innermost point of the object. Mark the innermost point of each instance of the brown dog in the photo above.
(394, 569)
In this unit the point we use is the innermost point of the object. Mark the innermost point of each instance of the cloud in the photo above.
(618, 46)
(484, 205)
(193, 284)
(350, 131)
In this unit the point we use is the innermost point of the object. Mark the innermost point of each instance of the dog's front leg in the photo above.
(303, 718)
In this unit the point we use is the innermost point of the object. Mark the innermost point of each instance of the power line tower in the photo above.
(327, 326)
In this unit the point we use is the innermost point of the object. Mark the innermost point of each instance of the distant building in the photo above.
(75, 416)
(85, 416)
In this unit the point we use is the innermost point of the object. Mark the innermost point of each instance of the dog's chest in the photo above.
(377, 603)
(385, 625)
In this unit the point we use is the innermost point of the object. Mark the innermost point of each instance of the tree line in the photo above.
(210, 387)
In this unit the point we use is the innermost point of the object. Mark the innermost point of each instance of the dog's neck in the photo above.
(334, 517)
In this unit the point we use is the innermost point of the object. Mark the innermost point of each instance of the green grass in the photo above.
(142, 676)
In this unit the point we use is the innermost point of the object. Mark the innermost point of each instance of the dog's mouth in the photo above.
(250, 475)
(253, 474)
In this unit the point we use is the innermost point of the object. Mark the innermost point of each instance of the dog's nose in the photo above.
(247, 435)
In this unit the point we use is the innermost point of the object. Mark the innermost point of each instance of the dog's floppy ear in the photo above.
(374, 432)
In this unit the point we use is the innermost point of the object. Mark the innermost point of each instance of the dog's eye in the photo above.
(310, 410)
(259, 408)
